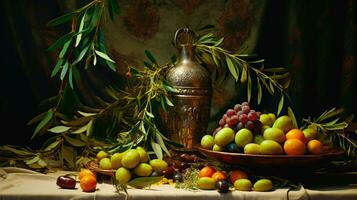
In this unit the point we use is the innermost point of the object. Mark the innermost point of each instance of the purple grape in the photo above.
(252, 116)
(245, 109)
(237, 107)
(222, 186)
(230, 112)
(239, 113)
(221, 122)
(243, 118)
(245, 104)
(233, 120)
(240, 125)
(249, 125)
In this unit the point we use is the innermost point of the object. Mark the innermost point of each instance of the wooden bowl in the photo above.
(93, 166)
(271, 161)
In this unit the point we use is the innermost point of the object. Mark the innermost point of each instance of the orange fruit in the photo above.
(88, 183)
(294, 147)
(314, 147)
(219, 176)
(85, 172)
(296, 134)
(207, 171)
(237, 174)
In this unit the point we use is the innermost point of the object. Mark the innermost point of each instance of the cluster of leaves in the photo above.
(339, 132)
(274, 80)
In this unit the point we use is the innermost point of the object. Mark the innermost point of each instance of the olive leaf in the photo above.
(46, 118)
(142, 182)
(280, 105)
(59, 129)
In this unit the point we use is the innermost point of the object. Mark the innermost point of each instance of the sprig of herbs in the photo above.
(338, 131)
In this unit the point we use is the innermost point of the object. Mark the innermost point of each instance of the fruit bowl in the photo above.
(93, 166)
(270, 161)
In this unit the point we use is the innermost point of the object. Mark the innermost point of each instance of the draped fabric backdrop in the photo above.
(315, 40)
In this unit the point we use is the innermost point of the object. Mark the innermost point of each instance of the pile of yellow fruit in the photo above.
(277, 136)
(126, 164)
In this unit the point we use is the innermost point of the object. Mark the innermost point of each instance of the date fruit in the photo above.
(66, 182)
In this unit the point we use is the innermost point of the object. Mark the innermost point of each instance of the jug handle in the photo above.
(189, 36)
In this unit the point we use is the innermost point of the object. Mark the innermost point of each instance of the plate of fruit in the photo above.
(249, 138)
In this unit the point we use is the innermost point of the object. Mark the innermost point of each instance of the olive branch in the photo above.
(339, 132)
(272, 79)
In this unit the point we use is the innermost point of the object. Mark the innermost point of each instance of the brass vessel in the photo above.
(186, 122)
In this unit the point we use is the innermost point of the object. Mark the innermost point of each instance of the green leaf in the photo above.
(215, 58)
(64, 70)
(142, 182)
(292, 117)
(36, 119)
(149, 114)
(85, 114)
(111, 66)
(168, 87)
(163, 103)
(338, 126)
(113, 8)
(32, 160)
(81, 55)
(331, 122)
(74, 142)
(57, 67)
(280, 105)
(243, 77)
(104, 56)
(52, 145)
(162, 144)
(80, 130)
(157, 149)
(17, 150)
(219, 42)
(232, 68)
(59, 129)
(249, 88)
(89, 128)
(62, 19)
(150, 56)
(142, 128)
(81, 25)
(64, 49)
(61, 41)
(46, 118)
(271, 87)
(331, 113)
(259, 95)
(70, 77)
(168, 101)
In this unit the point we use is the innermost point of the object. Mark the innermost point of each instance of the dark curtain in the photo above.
(315, 40)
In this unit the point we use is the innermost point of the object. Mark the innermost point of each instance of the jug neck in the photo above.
(186, 52)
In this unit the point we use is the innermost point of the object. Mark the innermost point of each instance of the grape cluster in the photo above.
(241, 116)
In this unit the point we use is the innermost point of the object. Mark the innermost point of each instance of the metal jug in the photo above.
(186, 122)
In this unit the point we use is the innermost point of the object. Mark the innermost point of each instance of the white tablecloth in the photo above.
(21, 184)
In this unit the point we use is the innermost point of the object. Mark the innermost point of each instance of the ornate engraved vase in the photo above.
(186, 122)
